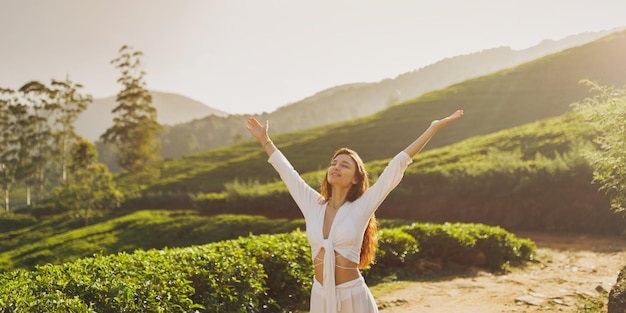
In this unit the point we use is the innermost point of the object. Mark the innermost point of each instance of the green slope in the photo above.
(54, 240)
(534, 91)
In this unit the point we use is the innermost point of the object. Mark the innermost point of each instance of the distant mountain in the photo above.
(350, 101)
(171, 109)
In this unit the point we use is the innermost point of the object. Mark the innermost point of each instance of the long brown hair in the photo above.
(370, 240)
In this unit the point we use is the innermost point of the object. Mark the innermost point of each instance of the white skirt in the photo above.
(352, 297)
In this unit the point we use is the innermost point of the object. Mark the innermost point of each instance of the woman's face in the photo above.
(341, 171)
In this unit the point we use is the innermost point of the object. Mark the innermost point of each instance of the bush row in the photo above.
(528, 198)
(266, 273)
(52, 240)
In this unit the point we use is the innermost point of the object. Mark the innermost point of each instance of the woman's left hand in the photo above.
(443, 122)
(257, 130)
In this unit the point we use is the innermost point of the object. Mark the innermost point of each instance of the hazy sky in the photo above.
(254, 56)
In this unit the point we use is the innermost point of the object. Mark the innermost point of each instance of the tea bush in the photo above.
(13, 221)
(474, 244)
(395, 248)
(264, 273)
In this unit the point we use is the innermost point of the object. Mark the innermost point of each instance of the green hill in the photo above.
(531, 92)
(525, 178)
(531, 177)
(351, 101)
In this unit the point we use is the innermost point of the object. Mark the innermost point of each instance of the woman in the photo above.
(340, 223)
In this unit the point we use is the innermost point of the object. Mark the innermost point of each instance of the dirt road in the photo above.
(569, 268)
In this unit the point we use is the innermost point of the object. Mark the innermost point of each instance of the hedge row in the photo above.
(266, 273)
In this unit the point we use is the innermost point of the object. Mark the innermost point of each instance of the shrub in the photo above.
(472, 244)
(271, 273)
(286, 258)
(395, 248)
(13, 221)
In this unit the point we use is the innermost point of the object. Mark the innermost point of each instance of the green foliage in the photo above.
(345, 102)
(38, 229)
(14, 128)
(68, 103)
(529, 177)
(503, 100)
(286, 258)
(135, 128)
(590, 304)
(238, 189)
(61, 238)
(257, 273)
(90, 187)
(151, 281)
(13, 221)
(396, 248)
(532, 177)
(474, 244)
(36, 130)
(606, 112)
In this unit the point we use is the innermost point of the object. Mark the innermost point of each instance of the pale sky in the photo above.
(254, 56)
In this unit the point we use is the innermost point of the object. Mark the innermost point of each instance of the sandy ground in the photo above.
(568, 268)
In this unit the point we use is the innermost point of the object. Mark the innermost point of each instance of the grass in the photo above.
(590, 303)
(384, 288)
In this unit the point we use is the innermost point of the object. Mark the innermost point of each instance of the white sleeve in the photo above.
(305, 197)
(387, 181)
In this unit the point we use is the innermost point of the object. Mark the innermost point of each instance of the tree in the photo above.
(90, 187)
(37, 138)
(606, 112)
(14, 129)
(67, 104)
(135, 128)
(7, 159)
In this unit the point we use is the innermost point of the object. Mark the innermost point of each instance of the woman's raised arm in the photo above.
(416, 146)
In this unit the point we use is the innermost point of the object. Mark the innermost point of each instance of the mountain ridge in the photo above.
(98, 117)
(530, 92)
(192, 126)
(355, 100)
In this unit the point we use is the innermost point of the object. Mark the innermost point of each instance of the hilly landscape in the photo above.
(351, 101)
(516, 119)
(218, 219)
(194, 127)
(172, 109)
(528, 93)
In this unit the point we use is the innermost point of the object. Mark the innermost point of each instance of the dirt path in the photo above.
(567, 266)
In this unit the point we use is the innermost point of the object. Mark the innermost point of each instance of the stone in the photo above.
(617, 296)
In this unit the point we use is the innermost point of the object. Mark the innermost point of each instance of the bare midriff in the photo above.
(345, 270)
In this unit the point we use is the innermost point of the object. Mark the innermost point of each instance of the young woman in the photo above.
(340, 223)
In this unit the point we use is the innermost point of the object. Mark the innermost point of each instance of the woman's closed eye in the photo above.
(341, 164)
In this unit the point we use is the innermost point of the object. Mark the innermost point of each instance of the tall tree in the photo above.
(68, 103)
(135, 128)
(90, 187)
(37, 139)
(7, 163)
(15, 128)
(606, 112)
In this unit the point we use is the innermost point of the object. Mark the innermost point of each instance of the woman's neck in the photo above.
(338, 198)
